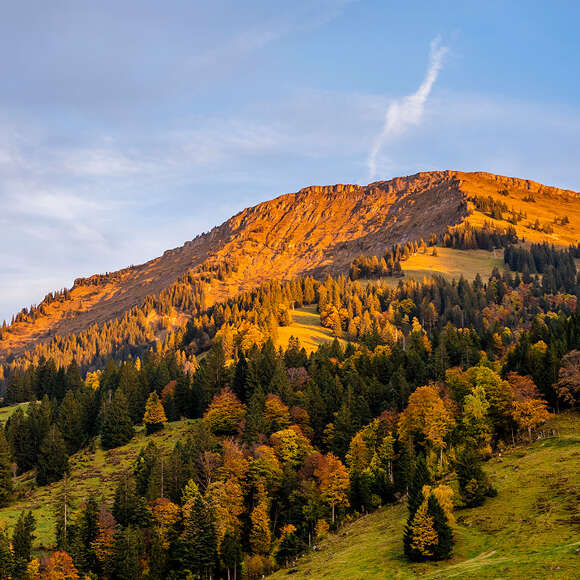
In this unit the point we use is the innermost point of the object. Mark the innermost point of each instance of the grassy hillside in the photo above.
(530, 530)
(6, 412)
(91, 471)
(451, 263)
(307, 328)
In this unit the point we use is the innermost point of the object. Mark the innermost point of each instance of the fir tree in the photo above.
(473, 484)
(198, 545)
(62, 511)
(444, 547)
(231, 554)
(6, 556)
(22, 539)
(128, 549)
(116, 427)
(6, 483)
(414, 501)
(85, 534)
(52, 458)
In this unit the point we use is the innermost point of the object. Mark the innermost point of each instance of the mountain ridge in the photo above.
(317, 230)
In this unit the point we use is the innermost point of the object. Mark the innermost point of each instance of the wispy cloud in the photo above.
(408, 111)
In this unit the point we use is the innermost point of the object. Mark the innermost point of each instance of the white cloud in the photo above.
(407, 111)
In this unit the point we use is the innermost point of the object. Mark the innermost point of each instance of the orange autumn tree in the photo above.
(225, 413)
(529, 410)
(334, 481)
(59, 566)
(530, 414)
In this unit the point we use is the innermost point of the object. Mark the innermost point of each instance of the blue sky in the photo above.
(126, 128)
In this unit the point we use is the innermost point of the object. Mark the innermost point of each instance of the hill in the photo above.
(316, 231)
(529, 530)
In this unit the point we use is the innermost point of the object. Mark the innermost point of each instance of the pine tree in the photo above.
(116, 427)
(70, 421)
(231, 554)
(6, 555)
(414, 501)
(154, 417)
(22, 539)
(62, 512)
(128, 552)
(473, 484)
(86, 531)
(6, 483)
(198, 545)
(52, 458)
(444, 547)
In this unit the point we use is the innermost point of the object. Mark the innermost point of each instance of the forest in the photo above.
(428, 380)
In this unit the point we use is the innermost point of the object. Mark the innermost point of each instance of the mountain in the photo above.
(316, 231)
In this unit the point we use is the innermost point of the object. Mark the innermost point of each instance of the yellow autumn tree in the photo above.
(426, 419)
(424, 537)
(444, 495)
(530, 414)
(154, 417)
(265, 467)
(291, 445)
(276, 413)
(260, 533)
(225, 412)
(334, 482)
(165, 515)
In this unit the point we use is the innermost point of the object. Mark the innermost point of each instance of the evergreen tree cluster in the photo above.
(557, 266)
(468, 237)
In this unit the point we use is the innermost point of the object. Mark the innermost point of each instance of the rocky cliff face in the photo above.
(317, 230)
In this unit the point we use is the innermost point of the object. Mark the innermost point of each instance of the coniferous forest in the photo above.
(422, 384)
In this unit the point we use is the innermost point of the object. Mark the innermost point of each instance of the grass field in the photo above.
(91, 471)
(6, 412)
(307, 328)
(450, 263)
(531, 530)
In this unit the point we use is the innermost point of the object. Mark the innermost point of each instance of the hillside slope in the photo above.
(315, 231)
(530, 530)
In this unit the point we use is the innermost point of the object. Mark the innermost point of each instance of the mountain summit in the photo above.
(315, 231)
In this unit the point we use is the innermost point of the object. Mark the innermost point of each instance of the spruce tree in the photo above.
(198, 543)
(6, 556)
(52, 458)
(128, 550)
(240, 380)
(116, 428)
(22, 539)
(86, 531)
(473, 484)
(6, 484)
(444, 547)
(126, 500)
(414, 500)
(62, 511)
(231, 553)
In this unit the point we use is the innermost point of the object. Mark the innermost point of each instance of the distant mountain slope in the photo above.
(318, 230)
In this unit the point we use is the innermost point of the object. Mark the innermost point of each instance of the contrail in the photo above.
(408, 111)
